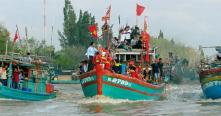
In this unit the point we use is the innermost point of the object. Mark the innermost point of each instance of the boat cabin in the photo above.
(137, 54)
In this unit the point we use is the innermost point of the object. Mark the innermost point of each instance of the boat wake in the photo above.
(7, 99)
(183, 92)
(104, 100)
(209, 101)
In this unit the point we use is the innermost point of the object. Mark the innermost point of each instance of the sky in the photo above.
(192, 22)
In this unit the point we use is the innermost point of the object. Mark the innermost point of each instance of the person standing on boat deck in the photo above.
(97, 60)
(90, 54)
(4, 75)
(115, 42)
(127, 34)
(145, 74)
(155, 70)
(134, 42)
(117, 67)
(123, 68)
(107, 64)
(121, 37)
(133, 73)
(83, 67)
(15, 78)
(160, 64)
(21, 78)
(29, 57)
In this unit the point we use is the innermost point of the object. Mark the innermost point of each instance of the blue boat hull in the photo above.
(211, 83)
(212, 89)
(120, 87)
(10, 93)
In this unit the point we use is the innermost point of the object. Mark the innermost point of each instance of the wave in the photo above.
(100, 99)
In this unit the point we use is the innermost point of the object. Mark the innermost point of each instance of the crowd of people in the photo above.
(129, 38)
(98, 56)
(17, 76)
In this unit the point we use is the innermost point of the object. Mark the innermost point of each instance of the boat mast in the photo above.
(51, 41)
(27, 50)
(44, 29)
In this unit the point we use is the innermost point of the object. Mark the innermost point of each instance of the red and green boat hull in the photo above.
(117, 86)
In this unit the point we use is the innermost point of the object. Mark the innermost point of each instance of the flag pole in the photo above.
(108, 36)
(119, 23)
(44, 21)
(136, 16)
(44, 28)
(52, 30)
(108, 31)
(6, 46)
(13, 45)
(26, 40)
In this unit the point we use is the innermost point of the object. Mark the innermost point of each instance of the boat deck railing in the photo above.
(125, 55)
(25, 59)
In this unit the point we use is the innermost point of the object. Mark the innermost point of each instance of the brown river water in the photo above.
(179, 100)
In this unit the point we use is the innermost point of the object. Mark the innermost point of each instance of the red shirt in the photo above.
(97, 59)
(107, 66)
(138, 69)
(16, 76)
(134, 75)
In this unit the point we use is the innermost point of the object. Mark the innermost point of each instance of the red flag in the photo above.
(140, 9)
(93, 30)
(146, 43)
(107, 15)
(16, 36)
(146, 39)
(147, 58)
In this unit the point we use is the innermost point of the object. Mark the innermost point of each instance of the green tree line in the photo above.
(169, 45)
(74, 38)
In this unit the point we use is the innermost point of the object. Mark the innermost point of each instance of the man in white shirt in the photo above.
(122, 36)
(91, 51)
(127, 34)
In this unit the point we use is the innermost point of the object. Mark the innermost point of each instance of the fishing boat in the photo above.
(66, 77)
(210, 76)
(35, 85)
(117, 86)
(131, 44)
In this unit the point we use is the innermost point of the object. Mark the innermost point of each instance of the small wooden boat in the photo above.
(210, 78)
(117, 86)
(35, 85)
(65, 81)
